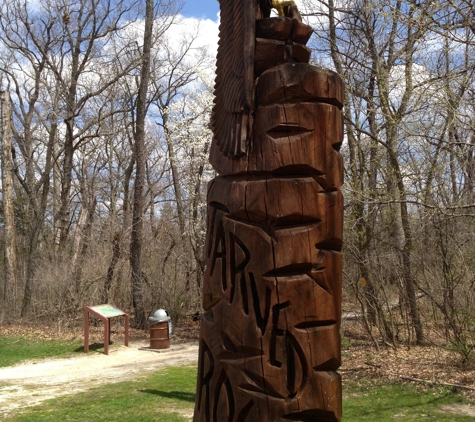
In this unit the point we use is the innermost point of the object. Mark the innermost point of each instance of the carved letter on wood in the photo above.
(270, 342)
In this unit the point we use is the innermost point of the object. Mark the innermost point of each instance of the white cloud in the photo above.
(203, 32)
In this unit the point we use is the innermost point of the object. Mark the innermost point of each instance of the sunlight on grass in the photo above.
(367, 401)
(166, 396)
(17, 349)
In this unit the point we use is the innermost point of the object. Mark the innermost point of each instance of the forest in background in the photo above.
(74, 74)
(104, 160)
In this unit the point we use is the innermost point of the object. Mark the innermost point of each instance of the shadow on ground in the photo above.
(94, 347)
(177, 395)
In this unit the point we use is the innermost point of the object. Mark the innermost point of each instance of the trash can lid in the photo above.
(159, 315)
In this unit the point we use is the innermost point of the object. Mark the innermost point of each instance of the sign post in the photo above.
(104, 313)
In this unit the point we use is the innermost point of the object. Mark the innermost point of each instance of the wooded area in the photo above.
(408, 67)
(98, 150)
(73, 74)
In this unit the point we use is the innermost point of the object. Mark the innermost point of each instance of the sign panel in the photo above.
(107, 311)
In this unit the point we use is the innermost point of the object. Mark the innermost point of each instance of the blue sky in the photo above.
(201, 9)
(207, 9)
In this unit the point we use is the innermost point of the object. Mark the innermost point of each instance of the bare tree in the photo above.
(80, 107)
(9, 298)
(139, 154)
(408, 70)
(66, 44)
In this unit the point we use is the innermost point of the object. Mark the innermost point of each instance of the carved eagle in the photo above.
(231, 119)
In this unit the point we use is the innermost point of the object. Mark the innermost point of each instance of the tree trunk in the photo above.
(406, 248)
(116, 255)
(82, 242)
(56, 193)
(139, 152)
(8, 210)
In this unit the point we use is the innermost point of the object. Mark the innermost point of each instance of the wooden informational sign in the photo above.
(104, 313)
(107, 311)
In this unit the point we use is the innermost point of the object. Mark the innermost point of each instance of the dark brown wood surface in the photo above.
(270, 342)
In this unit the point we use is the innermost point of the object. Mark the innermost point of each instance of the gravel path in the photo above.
(29, 384)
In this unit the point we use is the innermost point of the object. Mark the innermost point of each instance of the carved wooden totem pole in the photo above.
(270, 342)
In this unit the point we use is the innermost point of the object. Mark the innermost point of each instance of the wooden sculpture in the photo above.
(270, 342)
(280, 4)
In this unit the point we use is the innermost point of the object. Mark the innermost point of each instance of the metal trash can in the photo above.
(160, 329)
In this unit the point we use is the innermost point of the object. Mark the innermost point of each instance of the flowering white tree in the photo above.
(73, 73)
(185, 137)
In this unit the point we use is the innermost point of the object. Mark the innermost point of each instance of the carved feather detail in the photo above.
(232, 112)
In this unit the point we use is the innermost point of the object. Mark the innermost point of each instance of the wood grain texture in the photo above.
(299, 82)
(300, 33)
(283, 29)
(270, 342)
(276, 28)
(270, 53)
(231, 115)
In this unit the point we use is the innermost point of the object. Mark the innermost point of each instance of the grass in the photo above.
(17, 349)
(166, 396)
(14, 350)
(369, 401)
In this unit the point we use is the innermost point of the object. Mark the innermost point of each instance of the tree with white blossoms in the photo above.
(184, 128)
(73, 72)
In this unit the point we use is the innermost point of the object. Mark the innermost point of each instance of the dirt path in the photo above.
(29, 384)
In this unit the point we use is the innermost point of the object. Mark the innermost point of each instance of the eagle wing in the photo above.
(231, 117)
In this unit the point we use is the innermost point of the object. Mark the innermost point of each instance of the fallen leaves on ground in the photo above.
(430, 363)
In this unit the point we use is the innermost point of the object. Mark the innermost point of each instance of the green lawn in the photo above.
(16, 349)
(166, 396)
(374, 401)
